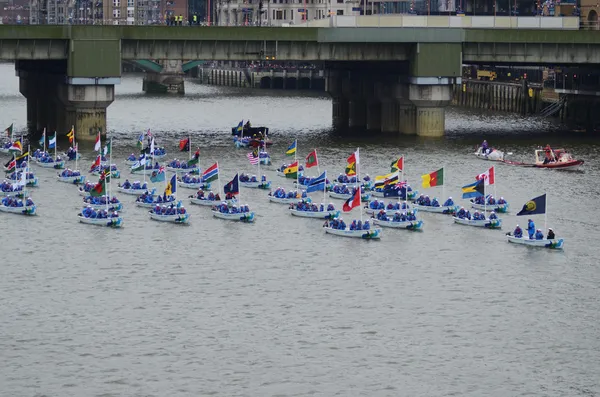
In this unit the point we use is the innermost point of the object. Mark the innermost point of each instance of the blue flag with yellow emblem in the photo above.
(534, 206)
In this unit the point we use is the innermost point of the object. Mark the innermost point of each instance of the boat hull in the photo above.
(315, 214)
(25, 210)
(488, 223)
(408, 225)
(106, 222)
(57, 165)
(286, 200)
(75, 180)
(372, 211)
(134, 192)
(152, 205)
(448, 210)
(100, 207)
(341, 196)
(256, 185)
(181, 219)
(371, 234)
(184, 171)
(247, 217)
(411, 195)
(495, 155)
(545, 243)
(195, 186)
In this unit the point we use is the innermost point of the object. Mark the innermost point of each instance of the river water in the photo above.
(278, 308)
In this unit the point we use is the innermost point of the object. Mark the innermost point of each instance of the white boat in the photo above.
(449, 209)
(154, 204)
(195, 186)
(409, 225)
(58, 165)
(18, 193)
(389, 212)
(371, 234)
(31, 182)
(286, 200)
(486, 223)
(175, 218)
(544, 243)
(315, 214)
(194, 170)
(76, 180)
(502, 208)
(100, 207)
(135, 192)
(256, 185)
(148, 171)
(25, 210)
(107, 222)
(492, 155)
(239, 216)
(346, 196)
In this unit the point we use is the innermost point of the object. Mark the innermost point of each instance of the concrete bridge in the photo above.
(392, 79)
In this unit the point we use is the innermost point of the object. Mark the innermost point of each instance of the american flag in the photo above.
(253, 158)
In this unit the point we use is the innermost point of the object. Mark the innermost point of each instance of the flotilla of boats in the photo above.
(100, 208)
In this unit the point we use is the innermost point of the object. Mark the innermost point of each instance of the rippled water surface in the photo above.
(278, 308)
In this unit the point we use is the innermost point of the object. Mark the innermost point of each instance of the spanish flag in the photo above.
(291, 171)
(71, 135)
(434, 179)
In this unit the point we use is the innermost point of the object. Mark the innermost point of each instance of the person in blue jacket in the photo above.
(531, 229)
(518, 232)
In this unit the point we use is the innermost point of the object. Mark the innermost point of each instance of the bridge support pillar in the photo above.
(340, 103)
(430, 102)
(84, 107)
(169, 80)
(374, 115)
(407, 114)
(39, 89)
(389, 116)
(357, 113)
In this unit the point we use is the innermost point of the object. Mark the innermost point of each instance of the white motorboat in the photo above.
(371, 234)
(238, 216)
(24, 210)
(490, 154)
(409, 225)
(448, 209)
(175, 218)
(115, 222)
(75, 180)
(486, 223)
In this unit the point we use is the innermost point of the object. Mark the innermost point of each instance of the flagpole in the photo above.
(324, 188)
(75, 147)
(494, 171)
(218, 179)
(358, 180)
(444, 183)
(44, 136)
(318, 166)
(297, 165)
(55, 145)
(110, 169)
(190, 147)
(545, 213)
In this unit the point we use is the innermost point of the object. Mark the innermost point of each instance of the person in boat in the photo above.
(427, 201)
(397, 217)
(435, 202)
(29, 202)
(410, 216)
(531, 229)
(549, 155)
(539, 235)
(479, 200)
(491, 200)
(449, 202)
(484, 147)
(461, 214)
(551, 235)
(518, 232)
(492, 216)
(330, 207)
(501, 201)
(476, 216)
(468, 214)
(366, 225)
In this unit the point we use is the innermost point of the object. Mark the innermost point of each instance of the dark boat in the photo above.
(251, 132)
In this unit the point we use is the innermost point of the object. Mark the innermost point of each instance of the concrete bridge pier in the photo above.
(39, 89)
(169, 80)
(84, 107)
(340, 104)
(430, 102)
(357, 104)
(373, 105)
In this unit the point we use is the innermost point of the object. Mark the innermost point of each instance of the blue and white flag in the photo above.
(317, 184)
(52, 142)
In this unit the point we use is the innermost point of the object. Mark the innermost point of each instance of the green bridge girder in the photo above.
(190, 65)
(147, 65)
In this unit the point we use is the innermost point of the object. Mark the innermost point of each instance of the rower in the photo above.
(518, 232)
(539, 235)
(550, 234)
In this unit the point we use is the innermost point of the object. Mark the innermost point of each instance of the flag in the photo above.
(52, 141)
(233, 186)
(43, 138)
(317, 184)
(158, 175)
(71, 135)
(22, 158)
(97, 146)
(96, 163)
(487, 177)
(15, 147)
(311, 159)
(151, 145)
(353, 201)
(10, 165)
(475, 189)
(395, 191)
(434, 179)
(211, 173)
(140, 142)
(195, 159)
(253, 158)
(291, 150)
(9, 130)
(291, 171)
(23, 180)
(107, 148)
(389, 179)
(99, 189)
(105, 174)
(352, 162)
(171, 186)
(140, 164)
(240, 126)
(398, 165)
(184, 145)
(534, 206)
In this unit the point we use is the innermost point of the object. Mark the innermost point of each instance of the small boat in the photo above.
(99, 203)
(284, 166)
(489, 154)
(390, 208)
(173, 214)
(253, 182)
(147, 171)
(250, 132)
(306, 209)
(414, 225)
(551, 158)
(241, 142)
(280, 196)
(32, 180)
(544, 243)
(486, 223)
(209, 199)
(422, 203)
(231, 213)
(492, 204)
(14, 205)
(182, 167)
(10, 189)
(91, 218)
(158, 154)
(136, 188)
(70, 176)
(352, 181)
(72, 154)
(333, 227)
(114, 171)
(85, 189)
(343, 193)
(132, 159)
(48, 162)
(191, 181)
(7, 145)
(151, 201)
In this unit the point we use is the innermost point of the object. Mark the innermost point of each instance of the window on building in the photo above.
(284, 14)
(116, 3)
(340, 12)
(130, 3)
(116, 13)
(130, 13)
